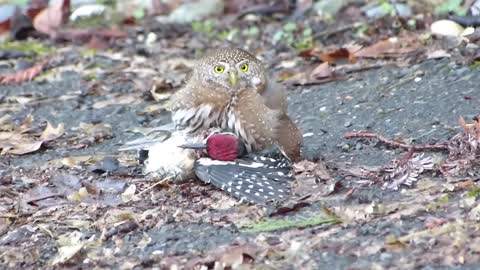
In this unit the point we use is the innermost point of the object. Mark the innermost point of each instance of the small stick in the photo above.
(154, 185)
(40, 198)
(410, 147)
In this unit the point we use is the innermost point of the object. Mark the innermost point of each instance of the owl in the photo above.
(233, 69)
(229, 89)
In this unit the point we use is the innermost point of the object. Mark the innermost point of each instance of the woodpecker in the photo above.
(225, 164)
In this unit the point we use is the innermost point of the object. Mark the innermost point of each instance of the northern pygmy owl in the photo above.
(229, 89)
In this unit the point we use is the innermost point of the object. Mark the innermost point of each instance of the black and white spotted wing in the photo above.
(254, 179)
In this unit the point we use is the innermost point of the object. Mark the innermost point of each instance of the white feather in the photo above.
(166, 159)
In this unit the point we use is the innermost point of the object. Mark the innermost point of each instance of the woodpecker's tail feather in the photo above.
(258, 180)
(151, 137)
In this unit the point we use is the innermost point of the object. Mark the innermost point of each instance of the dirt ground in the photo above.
(70, 204)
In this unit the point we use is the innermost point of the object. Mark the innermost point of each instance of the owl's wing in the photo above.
(289, 138)
(257, 121)
(275, 96)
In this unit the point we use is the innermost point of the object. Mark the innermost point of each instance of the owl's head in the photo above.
(232, 68)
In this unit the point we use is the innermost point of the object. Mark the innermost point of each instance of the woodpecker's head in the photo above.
(232, 68)
(222, 146)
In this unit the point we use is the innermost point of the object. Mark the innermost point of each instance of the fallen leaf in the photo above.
(129, 193)
(446, 28)
(322, 71)
(52, 18)
(22, 75)
(392, 47)
(120, 100)
(51, 133)
(19, 146)
(86, 35)
(70, 244)
(338, 54)
(78, 196)
(160, 89)
(74, 161)
(7, 11)
(236, 256)
(438, 54)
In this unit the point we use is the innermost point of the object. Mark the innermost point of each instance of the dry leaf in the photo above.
(74, 161)
(161, 89)
(438, 54)
(338, 54)
(129, 194)
(70, 244)
(50, 133)
(19, 143)
(392, 47)
(22, 75)
(78, 196)
(237, 255)
(49, 20)
(446, 28)
(120, 100)
(322, 71)
(19, 146)
(399, 172)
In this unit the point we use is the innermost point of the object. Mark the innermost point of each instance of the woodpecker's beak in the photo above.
(194, 146)
(233, 78)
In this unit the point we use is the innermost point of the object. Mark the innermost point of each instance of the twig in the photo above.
(40, 198)
(349, 70)
(6, 165)
(263, 9)
(399, 83)
(410, 147)
(154, 185)
(340, 29)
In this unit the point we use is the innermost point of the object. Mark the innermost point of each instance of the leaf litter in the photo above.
(77, 206)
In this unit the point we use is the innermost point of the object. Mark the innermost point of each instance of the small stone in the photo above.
(386, 256)
(358, 146)
(345, 147)
(110, 164)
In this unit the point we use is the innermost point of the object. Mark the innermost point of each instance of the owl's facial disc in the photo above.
(256, 81)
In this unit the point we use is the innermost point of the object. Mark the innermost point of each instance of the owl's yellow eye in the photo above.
(219, 69)
(244, 67)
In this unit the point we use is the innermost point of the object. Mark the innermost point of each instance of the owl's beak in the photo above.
(233, 78)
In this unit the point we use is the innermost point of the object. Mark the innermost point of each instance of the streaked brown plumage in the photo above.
(229, 89)
(289, 137)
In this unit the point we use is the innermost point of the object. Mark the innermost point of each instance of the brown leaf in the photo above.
(118, 100)
(26, 124)
(392, 47)
(98, 43)
(52, 18)
(85, 35)
(322, 71)
(50, 133)
(19, 146)
(238, 255)
(23, 75)
(333, 56)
